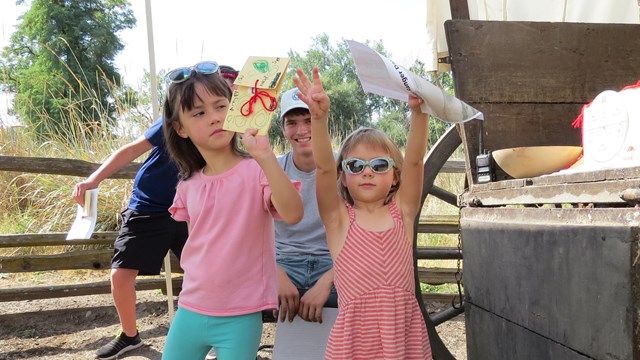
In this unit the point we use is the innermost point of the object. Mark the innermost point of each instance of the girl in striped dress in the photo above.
(369, 222)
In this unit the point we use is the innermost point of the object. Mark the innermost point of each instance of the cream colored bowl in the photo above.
(531, 161)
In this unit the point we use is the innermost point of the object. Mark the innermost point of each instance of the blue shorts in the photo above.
(304, 272)
(192, 335)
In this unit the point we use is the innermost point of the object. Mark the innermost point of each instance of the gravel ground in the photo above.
(74, 327)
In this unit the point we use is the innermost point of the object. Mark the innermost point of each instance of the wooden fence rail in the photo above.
(95, 253)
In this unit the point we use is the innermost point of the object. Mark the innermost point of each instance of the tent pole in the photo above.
(156, 114)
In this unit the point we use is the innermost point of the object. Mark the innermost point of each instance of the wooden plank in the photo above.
(437, 276)
(438, 253)
(175, 264)
(531, 124)
(491, 337)
(530, 79)
(515, 125)
(80, 259)
(470, 149)
(597, 187)
(439, 298)
(104, 287)
(73, 167)
(459, 9)
(568, 275)
(540, 62)
(453, 166)
(438, 224)
(597, 176)
(552, 194)
(55, 166)
(100, 287)
(55, 239)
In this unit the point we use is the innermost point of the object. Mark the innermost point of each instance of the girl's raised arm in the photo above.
(412, 169)
(313, 94)
(284, 196)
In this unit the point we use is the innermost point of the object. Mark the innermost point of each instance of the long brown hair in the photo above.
(376, 139)
(182, 96)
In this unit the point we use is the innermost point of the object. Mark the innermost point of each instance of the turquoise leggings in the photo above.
(191, 335)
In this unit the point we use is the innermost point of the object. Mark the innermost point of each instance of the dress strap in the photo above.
(393, 209)
(352, 213)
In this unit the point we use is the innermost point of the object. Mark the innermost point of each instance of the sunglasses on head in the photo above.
(378, 165)
(182, 74)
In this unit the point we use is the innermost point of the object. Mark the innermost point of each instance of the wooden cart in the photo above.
(551, 263)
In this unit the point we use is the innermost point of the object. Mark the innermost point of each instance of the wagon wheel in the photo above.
(436, 159)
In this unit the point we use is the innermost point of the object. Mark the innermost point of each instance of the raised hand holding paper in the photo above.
(381, 76)
(259, 84)
(85, 221)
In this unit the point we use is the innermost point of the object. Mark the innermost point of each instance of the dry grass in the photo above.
(41, 203)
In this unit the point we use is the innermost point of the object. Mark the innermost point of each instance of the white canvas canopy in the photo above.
(588, 11)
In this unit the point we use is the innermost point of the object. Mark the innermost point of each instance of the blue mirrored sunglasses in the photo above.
(182, 74)
(378, 165)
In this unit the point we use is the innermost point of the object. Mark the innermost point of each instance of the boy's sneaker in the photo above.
(211, 355)
(118, 346)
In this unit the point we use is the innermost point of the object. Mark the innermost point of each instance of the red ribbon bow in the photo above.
(258, 95)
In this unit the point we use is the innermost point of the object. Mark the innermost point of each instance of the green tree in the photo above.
(396, 125)
(60, 64)
(351, 107)
(136, 104)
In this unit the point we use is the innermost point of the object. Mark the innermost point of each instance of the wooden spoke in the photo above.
(435, 162)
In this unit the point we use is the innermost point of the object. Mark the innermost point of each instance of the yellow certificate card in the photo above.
(256, 98)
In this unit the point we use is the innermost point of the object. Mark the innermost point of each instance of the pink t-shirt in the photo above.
(229, 258)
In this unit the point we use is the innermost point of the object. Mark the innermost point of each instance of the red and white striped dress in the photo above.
(379, 316)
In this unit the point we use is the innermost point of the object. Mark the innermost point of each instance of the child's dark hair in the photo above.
(374, 139)
(182, 96)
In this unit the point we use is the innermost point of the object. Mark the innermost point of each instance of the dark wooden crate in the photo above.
(567, 277)
(530, 79)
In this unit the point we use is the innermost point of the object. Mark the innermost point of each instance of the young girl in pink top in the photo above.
(369, 221)
(228, 198)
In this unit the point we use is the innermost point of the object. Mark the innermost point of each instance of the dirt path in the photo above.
(74, 327)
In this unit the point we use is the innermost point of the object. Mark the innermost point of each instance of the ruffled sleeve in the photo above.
(178, 210)
(266, 195)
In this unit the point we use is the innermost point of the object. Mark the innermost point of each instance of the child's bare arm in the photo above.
(284, 196)
(412, 169)
(313, 94)
(116, 161)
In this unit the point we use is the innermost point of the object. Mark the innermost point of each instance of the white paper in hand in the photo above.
(381, 76)
(85, 221)
(303, 340)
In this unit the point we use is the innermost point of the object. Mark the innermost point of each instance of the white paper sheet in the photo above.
(85, 221)
(381, 76)
(303, 340)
